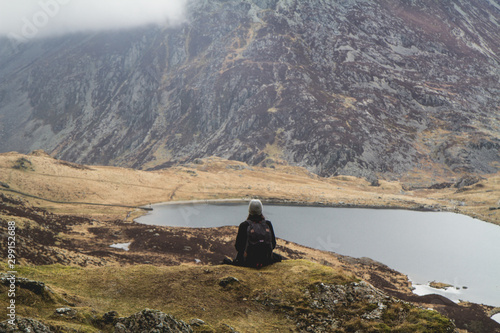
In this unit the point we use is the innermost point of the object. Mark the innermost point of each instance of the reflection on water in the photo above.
(427, 246)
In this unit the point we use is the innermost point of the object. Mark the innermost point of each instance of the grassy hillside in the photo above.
(40, 175)
(68, 215)
(277, 298)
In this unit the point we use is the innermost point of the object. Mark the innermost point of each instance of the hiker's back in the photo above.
(259, 247)
(255, 240)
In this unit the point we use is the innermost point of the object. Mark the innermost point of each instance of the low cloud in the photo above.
(27, 19)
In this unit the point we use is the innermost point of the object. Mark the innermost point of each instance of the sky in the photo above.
(28, 19)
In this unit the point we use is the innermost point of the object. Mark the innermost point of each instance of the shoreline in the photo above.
(417, 286)
(282, 202)
(146, 209)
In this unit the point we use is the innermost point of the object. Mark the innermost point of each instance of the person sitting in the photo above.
(255, 240)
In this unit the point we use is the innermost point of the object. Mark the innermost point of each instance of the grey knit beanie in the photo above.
(255, 207)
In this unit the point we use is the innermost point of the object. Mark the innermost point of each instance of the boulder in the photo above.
(227, 281)
(467, 181)
(24, 325)
(151, 321)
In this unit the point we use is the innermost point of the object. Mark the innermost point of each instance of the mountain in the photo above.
(366, 88)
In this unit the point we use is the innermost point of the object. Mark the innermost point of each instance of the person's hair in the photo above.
(260, 215)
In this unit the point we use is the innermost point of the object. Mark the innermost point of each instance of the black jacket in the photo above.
(241, 238)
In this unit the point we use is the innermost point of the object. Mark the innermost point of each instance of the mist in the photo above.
(23, 20)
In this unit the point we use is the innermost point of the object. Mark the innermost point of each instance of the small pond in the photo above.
(427, 246)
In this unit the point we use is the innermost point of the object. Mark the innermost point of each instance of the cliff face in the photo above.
(340, 87)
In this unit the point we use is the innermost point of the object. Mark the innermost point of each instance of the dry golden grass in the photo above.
(186, 292)
(215, 178)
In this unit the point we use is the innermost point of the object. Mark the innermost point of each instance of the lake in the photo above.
(427, 246)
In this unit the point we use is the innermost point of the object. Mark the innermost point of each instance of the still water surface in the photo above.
(427, 246)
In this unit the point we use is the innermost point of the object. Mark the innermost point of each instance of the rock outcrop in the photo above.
(24, 325)
(356, 306)
(152, 321)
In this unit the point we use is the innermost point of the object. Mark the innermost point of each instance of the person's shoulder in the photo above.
(244, 223)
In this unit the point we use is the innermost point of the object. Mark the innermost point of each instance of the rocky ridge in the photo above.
(352, 87)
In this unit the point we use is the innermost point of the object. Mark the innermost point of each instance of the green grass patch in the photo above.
(251, 300)
(186, 292)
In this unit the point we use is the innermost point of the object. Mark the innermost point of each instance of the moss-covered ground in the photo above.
(195, 292)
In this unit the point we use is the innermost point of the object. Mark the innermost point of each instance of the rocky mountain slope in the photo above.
(352, 87)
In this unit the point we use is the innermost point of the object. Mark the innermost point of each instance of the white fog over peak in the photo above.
(28, 19)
